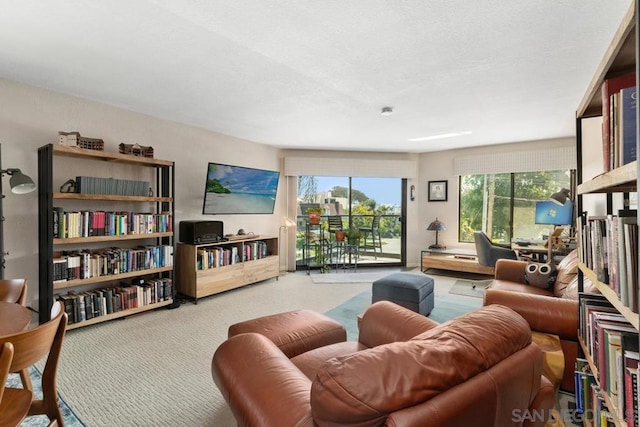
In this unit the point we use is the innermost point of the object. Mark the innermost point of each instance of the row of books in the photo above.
(611, 342)
(85, 263)
(111, 186)
(619, 121)
(608, 245)
(219, 256)
(69, 224)
(590, 402)
(101, 302)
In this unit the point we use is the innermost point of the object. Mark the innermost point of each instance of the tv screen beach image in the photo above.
(239, 190)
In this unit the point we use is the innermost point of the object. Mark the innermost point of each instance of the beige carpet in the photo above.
(154, 369)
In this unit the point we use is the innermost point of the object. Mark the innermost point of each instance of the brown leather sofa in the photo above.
(552, 311)
(480, 369)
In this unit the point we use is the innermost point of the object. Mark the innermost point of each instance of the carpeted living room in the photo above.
(163, 162)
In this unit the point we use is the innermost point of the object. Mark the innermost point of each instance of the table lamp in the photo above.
(437, 226)
(561, 196)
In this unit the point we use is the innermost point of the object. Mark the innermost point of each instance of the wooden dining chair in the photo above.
(30, 346)
(14, 291)
(12, 410)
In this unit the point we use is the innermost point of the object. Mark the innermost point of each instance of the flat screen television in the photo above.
(238, 190)
(551, 213)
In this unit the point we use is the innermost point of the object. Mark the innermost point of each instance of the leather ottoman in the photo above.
(294, 332)
(412, 291)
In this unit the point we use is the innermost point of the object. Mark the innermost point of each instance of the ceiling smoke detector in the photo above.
(386, 111)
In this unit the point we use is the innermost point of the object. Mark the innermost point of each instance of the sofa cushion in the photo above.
(571, 291)
(507, 285)
(363, 388)
(567, 271)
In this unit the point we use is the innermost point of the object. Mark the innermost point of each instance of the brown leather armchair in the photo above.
(480, 369)
(551, 311)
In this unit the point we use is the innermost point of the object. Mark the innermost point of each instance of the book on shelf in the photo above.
(628, 98)
(610, 87)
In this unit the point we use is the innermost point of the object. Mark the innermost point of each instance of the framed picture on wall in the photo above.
(438, 191)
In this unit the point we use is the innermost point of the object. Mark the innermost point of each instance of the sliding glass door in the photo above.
(370, 210)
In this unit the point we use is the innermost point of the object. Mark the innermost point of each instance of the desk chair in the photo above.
(30, 346)
(372, 232)
(488, 253)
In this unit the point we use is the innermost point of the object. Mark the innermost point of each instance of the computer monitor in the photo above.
(551, 213)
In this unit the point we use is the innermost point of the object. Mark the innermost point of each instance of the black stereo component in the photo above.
(197, 232)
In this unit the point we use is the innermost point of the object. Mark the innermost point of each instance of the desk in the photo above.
(13, 318)
(540, 252)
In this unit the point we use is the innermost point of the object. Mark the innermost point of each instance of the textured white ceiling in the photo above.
(315, 74)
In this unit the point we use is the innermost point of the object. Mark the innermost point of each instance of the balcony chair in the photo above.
(30, 346)
(372, 233)
(488, 253)
(334, 223)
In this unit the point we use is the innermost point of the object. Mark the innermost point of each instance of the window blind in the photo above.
(517, 161)
(323, 166)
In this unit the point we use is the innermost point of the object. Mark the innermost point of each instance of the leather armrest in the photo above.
(511, 270)
(247, 368)
(385, 322)
(551, 315)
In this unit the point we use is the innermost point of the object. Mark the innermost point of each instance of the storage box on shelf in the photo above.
(608, 244)
(208, 269)
(104, 264)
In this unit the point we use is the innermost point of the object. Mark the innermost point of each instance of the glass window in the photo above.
(503, 205)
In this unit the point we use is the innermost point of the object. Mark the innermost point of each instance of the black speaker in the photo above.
(196, 232)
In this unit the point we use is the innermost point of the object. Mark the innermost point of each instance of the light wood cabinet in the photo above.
(209, 269)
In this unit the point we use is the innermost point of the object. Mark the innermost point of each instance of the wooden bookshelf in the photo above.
(619, 59)
(51, 247)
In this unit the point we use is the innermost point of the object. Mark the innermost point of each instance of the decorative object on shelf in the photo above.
(136, 150)
(438, 191)
(437, 226)
(68, 187)
(20, 184)
(561, 196)
(314, 215)
(74, 139)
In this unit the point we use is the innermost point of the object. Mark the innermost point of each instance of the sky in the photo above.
(385, 191)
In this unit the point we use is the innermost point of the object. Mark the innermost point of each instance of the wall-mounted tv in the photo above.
(551, 213)
(238, 190)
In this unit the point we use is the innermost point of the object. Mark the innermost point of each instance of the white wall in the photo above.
(31, 117)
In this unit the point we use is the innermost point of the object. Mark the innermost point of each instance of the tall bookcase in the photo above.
(620, 59)
(154, 242)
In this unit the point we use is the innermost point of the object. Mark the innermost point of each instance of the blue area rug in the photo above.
(445, 308)
(70, 418)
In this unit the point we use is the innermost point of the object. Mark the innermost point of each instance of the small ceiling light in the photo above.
(386, 111)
